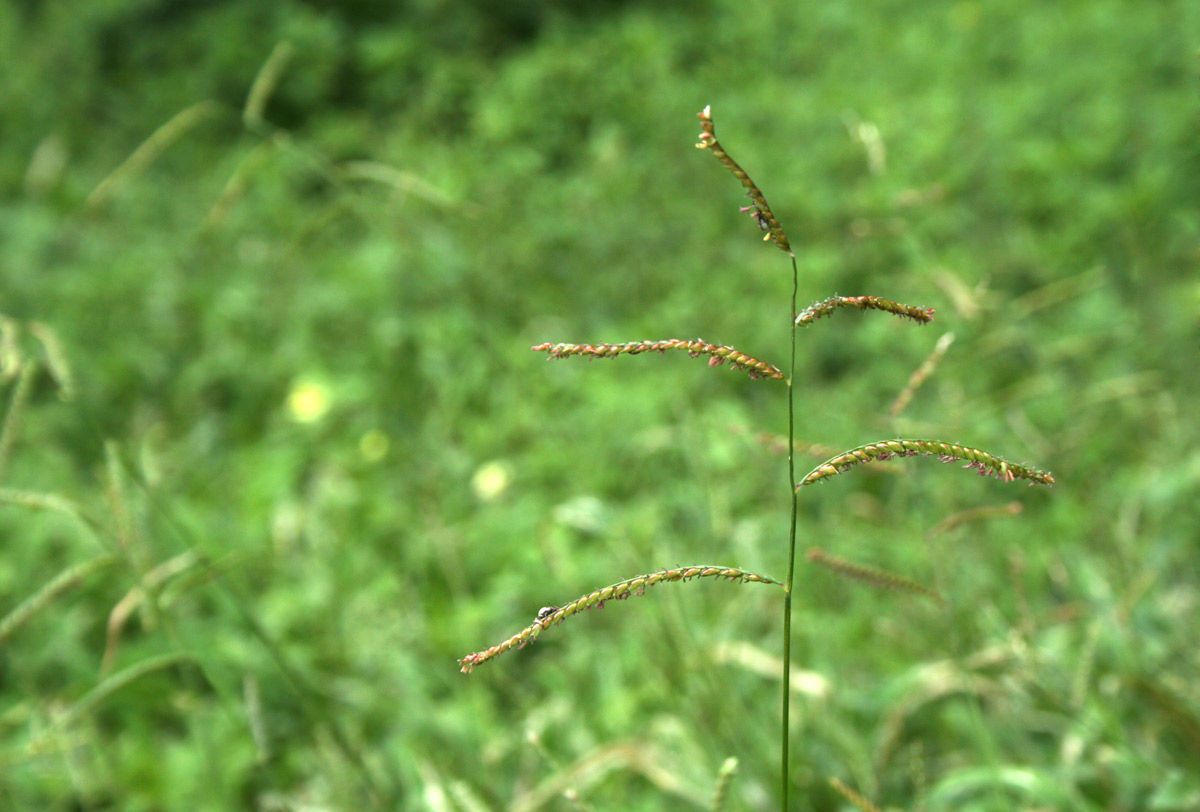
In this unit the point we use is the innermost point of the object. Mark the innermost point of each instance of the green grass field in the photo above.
(276, 453)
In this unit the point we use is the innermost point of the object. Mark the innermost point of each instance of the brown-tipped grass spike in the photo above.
(761, 210)
(717, 353)
(921, 315)
(977, 459)
(597, 599)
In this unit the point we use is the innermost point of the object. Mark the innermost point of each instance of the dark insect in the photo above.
(757, 216)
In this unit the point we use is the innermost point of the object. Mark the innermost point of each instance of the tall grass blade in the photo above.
(724, 783)
(154, 579)
(148, 151)
(264, 84)
(53, 503)
(16, 408)
(56, 359)
(62, 583)
(237, 183)
(10, 348)
(107, 687)
(403, 182)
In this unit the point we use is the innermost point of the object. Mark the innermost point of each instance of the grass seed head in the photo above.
(983, 462)
(549, 616)
(921, 315)
(870, 575)
(760, 212)
(718, 353)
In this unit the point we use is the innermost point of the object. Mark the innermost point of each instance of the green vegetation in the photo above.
(278, 453)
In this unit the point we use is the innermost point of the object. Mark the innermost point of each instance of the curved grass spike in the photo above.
(921, 315)
(981, 461)
(718, 353)
(65, 581)
(761, 210)
(104, 689)
(920, 375)
(551, 616)
(859, 801)
(956, 520)
(724, 782)
(870, 575)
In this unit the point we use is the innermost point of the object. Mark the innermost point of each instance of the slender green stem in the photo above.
(785, 783)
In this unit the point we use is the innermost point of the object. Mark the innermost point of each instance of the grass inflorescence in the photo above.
(978, 460)
(871, 575)
(856, 799)
(717, 353)
(724, 781)
(551, 616)
(65, 581)
(921, 374)
(982, 461)
(760, 212)
(921, 315)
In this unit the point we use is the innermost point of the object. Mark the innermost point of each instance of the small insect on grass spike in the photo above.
(717, 353)
(921, 315)
(549, 616)
(760, 212)
(983, 462)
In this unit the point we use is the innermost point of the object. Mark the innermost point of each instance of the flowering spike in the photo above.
(597, 599)
(870, 575)
(760, 212)
(859, 801)
(921, 315)
(718, 353)
(921, 374)
(986, 464)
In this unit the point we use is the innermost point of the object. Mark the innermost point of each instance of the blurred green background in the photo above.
(276, 452)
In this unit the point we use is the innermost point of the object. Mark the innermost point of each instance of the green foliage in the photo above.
(307, 341)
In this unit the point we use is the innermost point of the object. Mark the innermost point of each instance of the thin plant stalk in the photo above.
(784, 738)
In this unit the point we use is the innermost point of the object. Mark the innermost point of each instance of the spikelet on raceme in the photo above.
(551, 615)
(985, 463)
(717, 353)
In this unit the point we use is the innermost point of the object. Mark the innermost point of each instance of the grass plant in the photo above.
(298, 320)
(977, 459)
